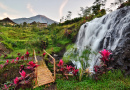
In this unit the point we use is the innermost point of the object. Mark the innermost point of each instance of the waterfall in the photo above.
(101, 33)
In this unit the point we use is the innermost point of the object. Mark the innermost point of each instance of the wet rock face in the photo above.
(121, 54)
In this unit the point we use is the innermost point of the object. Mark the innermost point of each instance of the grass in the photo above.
(112, 80)
(2, 62)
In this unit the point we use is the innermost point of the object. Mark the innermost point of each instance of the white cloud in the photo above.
(6, 8)
(62, 6)
(30, 8)
(4, 15)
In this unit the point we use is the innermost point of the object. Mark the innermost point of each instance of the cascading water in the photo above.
(101, 33)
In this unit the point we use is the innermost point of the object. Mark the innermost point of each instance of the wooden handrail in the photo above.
(54, 64)
(35, 57)
(36, 61)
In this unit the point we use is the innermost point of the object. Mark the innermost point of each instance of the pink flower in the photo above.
(60, 63)
(17, 58)
(33, 64)
(75, 71)
(16, 80)
(23, 74)
(31, 68)
(12, 61)
(7, 61)
(28, 67)
(22, 67)
(61, 69)
(27, 54)
(44, 54)
(22, 57)
(5, 87)
(68, 67)
(1, 66)
(105, 55)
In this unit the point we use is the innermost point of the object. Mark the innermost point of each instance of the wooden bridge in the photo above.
(43, 74)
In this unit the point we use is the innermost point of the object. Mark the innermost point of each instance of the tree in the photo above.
(102, 3)
(85, 11)
(96, 8)
(68, 17)
(62, 19)
(24, 24)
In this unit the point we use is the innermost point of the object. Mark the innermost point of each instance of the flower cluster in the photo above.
(103, 67)
(66, 70)
(24, 79)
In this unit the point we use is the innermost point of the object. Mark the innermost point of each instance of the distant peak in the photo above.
(40, 15)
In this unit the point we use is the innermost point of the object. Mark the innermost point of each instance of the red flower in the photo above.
(5, 56)
(5, 87)
(68, 67)
(17, 58)
(28, 67)
(18, 54)
(75, 71)
(60, 63)
(61, 69)
(96, 68)
(22, 67)
(27, 54)
(33, 64)
(16, 80)
(23, 74)
(7, 61)
(44, 54)
(22, 57)
(105, 55)
(12, 61)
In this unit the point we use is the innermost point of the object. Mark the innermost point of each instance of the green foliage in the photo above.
(2, 62)
(107, 82)
(56, 49)
(7, 45)
(69, 46)
(96, 8)
(70, 21)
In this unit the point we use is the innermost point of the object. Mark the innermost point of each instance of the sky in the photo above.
(53, 9)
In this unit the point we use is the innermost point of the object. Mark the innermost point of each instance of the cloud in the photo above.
(62, 6)
(30, 8)
(4, 15)
(6, 8)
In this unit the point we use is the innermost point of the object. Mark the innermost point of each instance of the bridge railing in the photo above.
(36, 61)
(54, 67)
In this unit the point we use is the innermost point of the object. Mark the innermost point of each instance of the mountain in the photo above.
(37, 18)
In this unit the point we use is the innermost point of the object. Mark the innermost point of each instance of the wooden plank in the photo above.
(44, 76)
